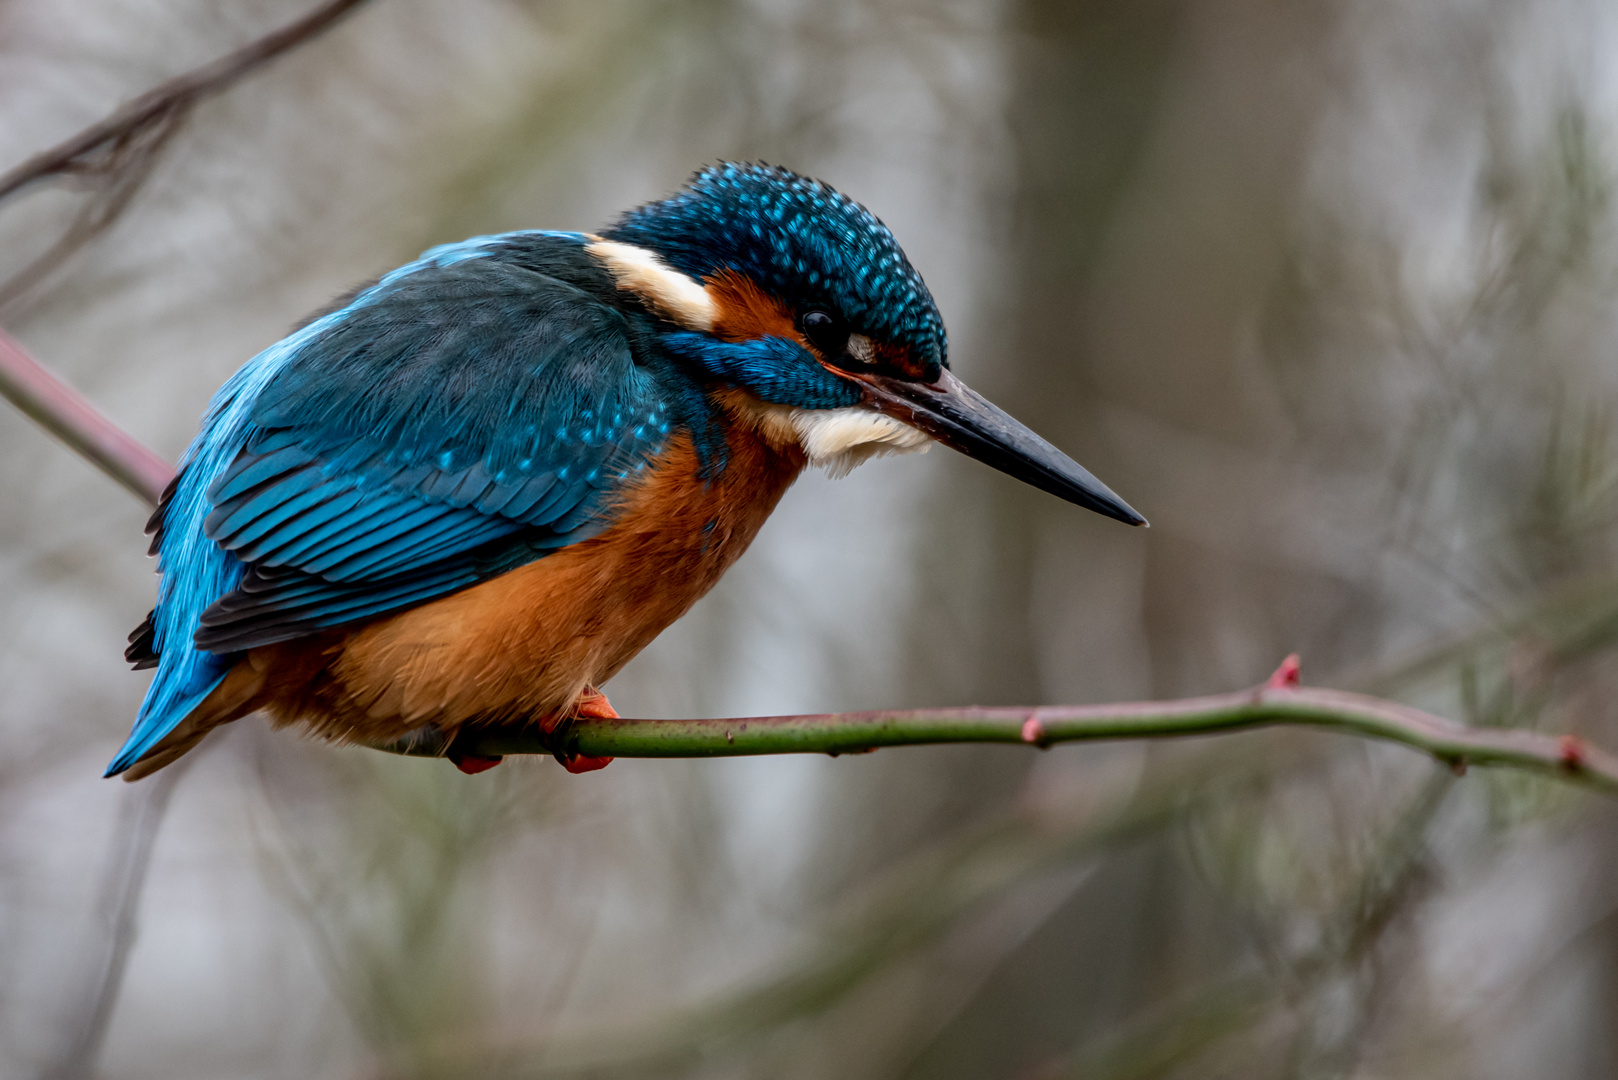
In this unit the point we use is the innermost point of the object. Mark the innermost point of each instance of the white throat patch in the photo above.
(840, 440)
(837, 440)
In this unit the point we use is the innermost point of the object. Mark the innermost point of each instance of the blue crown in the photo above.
(798, 239)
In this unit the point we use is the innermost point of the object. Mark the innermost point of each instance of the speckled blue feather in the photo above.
(772, 368)
(794, 237)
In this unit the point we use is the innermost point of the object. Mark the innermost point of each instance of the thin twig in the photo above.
(122, 882)
(116, 154)
(1278, 702)
(98, 213)
(75, 155)
(71, 417)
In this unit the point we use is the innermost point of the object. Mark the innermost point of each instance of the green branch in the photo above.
(1280, 701)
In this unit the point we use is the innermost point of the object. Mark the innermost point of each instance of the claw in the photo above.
(593, 705)
(472, 764)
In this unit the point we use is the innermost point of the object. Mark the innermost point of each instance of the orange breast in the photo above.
(523, 645)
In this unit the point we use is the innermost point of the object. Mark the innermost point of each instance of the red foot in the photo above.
(1571, 752)
(472, 764)
(1287, 675)
(592, 705)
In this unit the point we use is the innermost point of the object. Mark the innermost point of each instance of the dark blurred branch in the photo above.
(117, 154)
(1280, 701)
(97, 150)
(70, 416)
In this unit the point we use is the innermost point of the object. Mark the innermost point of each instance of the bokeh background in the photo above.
(1327, 288)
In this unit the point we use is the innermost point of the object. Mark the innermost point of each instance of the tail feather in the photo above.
(196, 572)
(233, 696)
(185, 678)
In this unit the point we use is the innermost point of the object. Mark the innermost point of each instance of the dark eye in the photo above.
(825, 332)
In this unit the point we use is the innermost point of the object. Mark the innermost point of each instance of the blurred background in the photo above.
(1324, 287)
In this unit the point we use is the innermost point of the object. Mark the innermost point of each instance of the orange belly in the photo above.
(522, 646)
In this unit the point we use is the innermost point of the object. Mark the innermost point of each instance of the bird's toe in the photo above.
(593, 705)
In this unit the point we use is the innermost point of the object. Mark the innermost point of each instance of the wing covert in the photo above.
(451, 425)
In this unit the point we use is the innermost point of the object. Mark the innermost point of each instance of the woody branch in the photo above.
(1280, 701)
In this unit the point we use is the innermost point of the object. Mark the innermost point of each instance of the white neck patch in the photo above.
(676, 296)
(837, 440)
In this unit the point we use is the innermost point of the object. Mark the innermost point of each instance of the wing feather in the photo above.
(471, 405)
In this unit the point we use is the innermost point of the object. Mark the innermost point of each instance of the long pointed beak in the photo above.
(964, 420)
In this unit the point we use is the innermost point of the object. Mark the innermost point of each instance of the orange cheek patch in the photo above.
(744, 312)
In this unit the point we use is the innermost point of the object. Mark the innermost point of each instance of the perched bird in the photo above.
(470, 492)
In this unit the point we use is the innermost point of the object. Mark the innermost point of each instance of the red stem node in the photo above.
(1287, 675)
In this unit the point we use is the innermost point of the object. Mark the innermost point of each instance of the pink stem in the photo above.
(70, 416)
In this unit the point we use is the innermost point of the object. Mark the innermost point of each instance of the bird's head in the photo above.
(798, 300)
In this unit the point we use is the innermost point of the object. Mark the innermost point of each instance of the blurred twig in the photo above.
(116, 154)
(123, 881)
(70, 416)
(910, 908)
(1170, 1033)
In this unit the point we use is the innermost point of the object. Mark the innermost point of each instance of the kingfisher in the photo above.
(468, 493)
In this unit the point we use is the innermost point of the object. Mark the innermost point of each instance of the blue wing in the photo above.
(463, 416)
